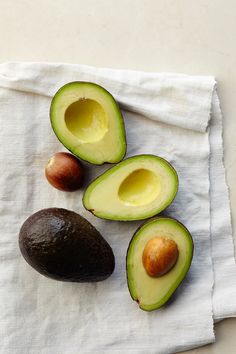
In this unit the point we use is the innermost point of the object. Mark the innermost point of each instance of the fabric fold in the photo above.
(167, 98)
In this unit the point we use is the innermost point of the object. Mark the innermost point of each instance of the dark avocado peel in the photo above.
(62, 245)
(152, 292)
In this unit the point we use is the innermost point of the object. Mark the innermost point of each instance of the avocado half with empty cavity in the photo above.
(137, 188)
(87, 120)
(158, 258)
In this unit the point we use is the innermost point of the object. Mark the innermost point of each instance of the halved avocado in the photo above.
(87, 120)
(152, 292)
(136, 188)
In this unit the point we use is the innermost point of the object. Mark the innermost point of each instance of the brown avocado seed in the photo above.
(64, 172)
(159, 256)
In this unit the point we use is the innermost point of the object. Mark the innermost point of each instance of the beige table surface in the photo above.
(189, 36)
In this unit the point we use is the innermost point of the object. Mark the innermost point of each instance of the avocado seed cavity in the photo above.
(159, 256)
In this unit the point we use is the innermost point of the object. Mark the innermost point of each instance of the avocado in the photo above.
(62, 245)
(87, 120)
(137, 188)
(158, 258)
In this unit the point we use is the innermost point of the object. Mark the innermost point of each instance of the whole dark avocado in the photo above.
(62, 245)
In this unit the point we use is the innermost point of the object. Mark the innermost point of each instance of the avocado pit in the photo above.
(64, 172)
(159, 256)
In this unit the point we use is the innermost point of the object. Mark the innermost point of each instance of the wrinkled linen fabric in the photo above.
(175, 116)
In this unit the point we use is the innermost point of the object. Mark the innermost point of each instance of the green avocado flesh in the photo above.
(62, 245)
(136, 188)
(151, 293)
(88, 122)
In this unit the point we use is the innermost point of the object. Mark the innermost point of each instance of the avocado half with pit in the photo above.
(87, 120)
(137, 188)
(158, 258)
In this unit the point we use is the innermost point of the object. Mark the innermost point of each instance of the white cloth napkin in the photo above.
(172, 115)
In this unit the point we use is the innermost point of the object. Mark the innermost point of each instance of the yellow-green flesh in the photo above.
(151, 293)
(87, 120)
(136, 188)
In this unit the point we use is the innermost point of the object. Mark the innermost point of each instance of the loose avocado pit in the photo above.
(158, 258)
(87, 120)
(136, 188)
(64, 172)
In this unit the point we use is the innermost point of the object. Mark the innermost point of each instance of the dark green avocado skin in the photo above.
(62, 245)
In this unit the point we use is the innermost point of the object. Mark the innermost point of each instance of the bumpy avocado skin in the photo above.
(62, 245)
